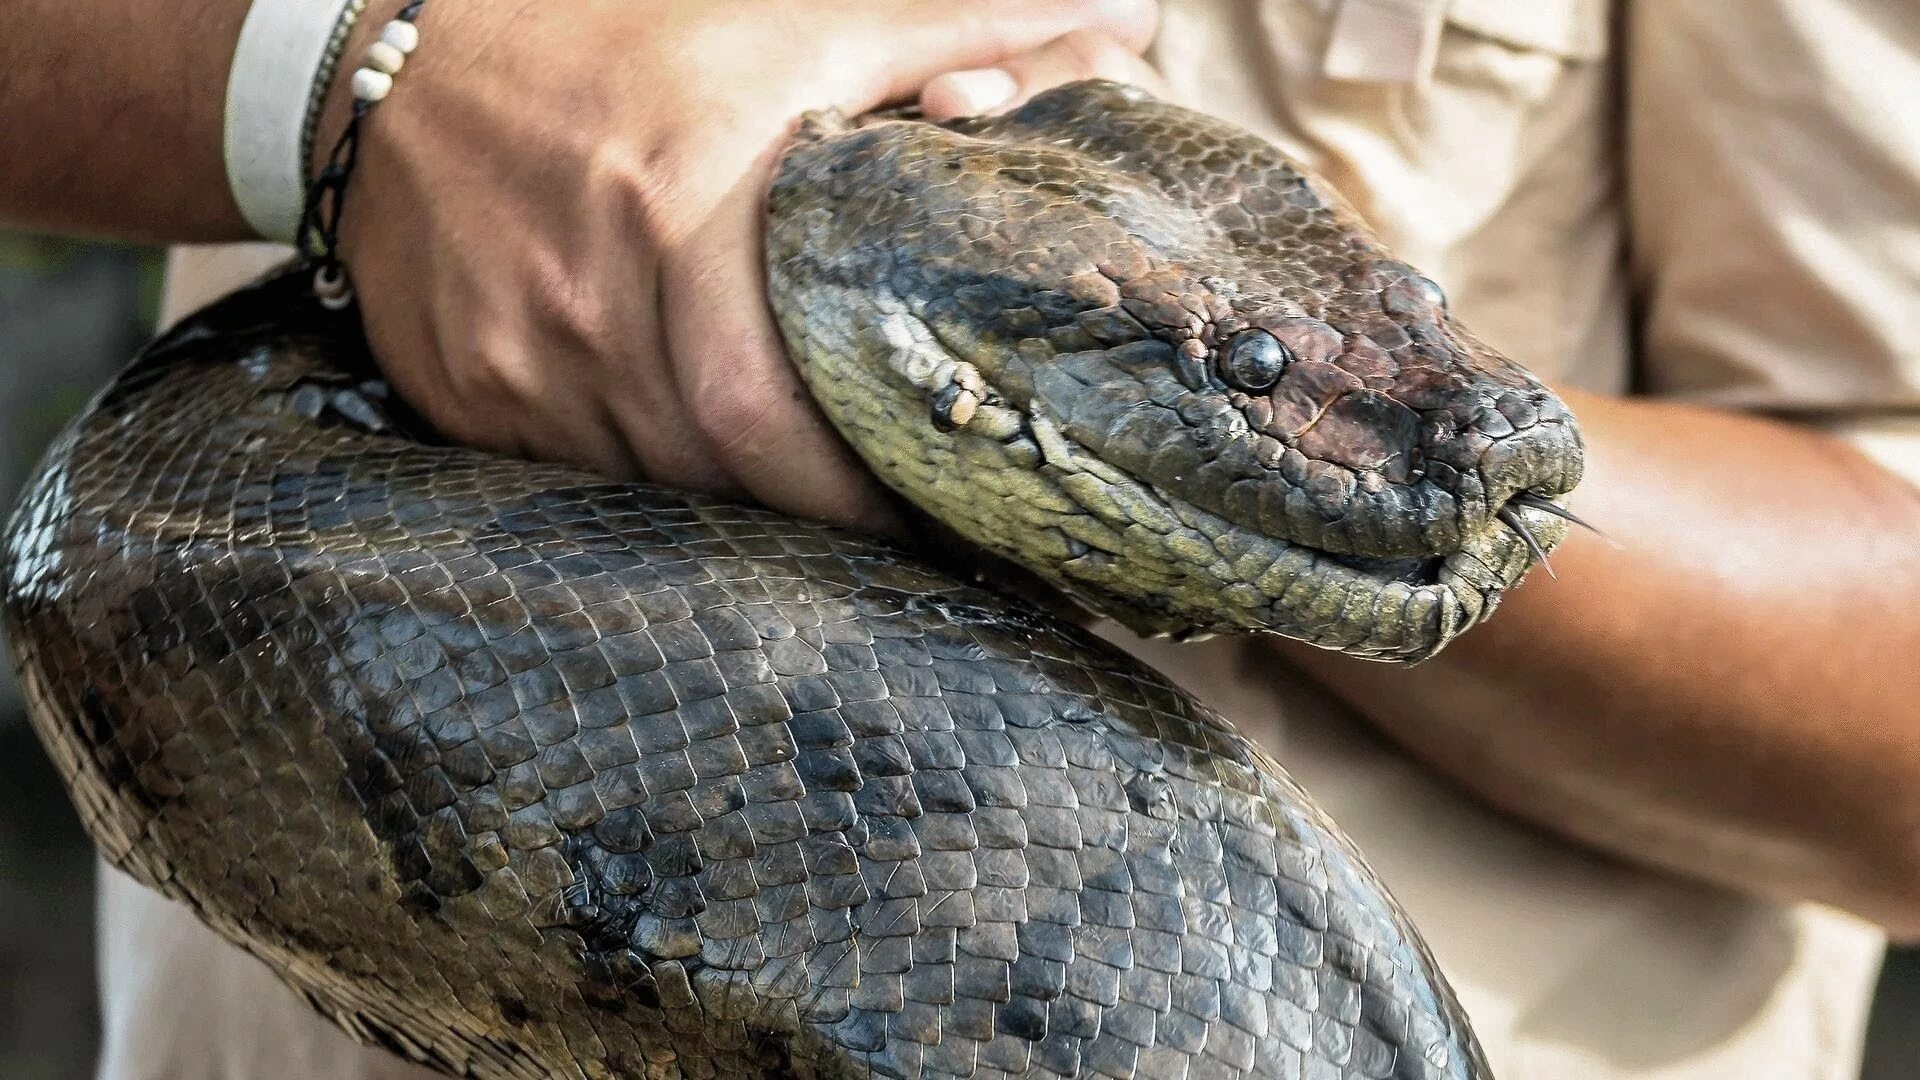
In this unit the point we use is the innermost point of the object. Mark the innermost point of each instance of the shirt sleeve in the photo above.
(1892, 440)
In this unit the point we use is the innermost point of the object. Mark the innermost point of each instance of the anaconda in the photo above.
(526, 773)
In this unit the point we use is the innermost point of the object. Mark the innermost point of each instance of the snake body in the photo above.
(525, 773)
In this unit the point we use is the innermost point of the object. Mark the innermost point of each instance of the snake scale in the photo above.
(525, 773)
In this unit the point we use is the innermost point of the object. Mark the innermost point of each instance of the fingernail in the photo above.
(981, 90)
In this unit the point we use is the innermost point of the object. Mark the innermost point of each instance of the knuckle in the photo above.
(564, 296)
(1070, 12)
(740, 420)
(1139, 17)
(488, 377)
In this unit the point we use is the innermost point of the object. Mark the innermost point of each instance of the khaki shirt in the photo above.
(1716, 202)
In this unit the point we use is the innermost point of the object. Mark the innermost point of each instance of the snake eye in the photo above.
(1253, 361)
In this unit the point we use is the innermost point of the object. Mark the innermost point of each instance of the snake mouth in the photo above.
(1174, 567)
(1364, 562)
(1429, 569)
(1407, 608)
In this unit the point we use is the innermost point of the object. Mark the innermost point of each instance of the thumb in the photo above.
(1083, 54)
(945, 35)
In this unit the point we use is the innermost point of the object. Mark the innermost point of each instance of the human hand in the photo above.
(554, 227)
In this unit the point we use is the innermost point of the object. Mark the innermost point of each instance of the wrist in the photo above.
(281, 51)
(336, 97)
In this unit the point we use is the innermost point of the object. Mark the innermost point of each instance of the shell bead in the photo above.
(331, 286)
(372, 82)
(385, 58)
(401, 35)
(371, 86)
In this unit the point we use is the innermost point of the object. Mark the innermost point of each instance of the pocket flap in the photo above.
(1577, 29)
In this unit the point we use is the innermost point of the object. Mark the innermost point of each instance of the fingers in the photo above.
(620, 334)
(565, 360)
(1083, 54)
(1130, 23)
(743, 395)
(495, 389)
(952, 35)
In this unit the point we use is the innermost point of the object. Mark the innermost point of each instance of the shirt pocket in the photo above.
(1520, 48)
(1268, 64)
(1416, 41)
(1574, 29)
(1448, 102)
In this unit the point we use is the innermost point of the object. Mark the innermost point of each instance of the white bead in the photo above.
(384, 57)
(370, 85)
(402, 35)
(331, 286)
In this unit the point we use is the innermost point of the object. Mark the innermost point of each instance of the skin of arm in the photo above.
(1730, 689)
(136, 156)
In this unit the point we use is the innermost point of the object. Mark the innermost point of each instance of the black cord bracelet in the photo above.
(319, 237)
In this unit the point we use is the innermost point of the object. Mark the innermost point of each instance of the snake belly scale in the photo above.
(524, 773)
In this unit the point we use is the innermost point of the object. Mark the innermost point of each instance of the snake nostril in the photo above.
(1524, 442)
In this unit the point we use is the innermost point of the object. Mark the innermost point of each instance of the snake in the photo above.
(522, 772)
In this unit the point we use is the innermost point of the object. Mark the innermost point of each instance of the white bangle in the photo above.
(282, 46)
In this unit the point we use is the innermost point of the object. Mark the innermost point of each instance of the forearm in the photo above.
(1731, 692)
(113, 117)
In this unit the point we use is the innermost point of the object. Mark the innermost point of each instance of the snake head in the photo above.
(1142, 352)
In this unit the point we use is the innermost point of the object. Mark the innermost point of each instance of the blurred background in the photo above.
(70, 315)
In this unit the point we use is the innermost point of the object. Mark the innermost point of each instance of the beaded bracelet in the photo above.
(329, 65)
(326, 199)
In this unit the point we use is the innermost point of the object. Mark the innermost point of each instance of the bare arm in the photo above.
(1732, 693)
(113, 117)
